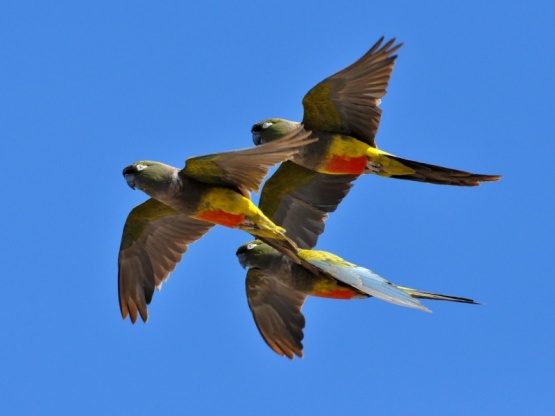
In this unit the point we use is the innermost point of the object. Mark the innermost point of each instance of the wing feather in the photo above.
(360, 278)
(276, 309)
(155, 237)
(347, 102)
(300, 200)
(246, 168)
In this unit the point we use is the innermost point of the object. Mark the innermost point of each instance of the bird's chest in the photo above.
(335, 154)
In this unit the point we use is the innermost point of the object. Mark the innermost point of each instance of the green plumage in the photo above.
(140, 217)
(185, 204)
(277, 288)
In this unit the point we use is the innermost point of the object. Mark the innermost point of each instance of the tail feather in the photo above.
(435, 296)
(425, 172)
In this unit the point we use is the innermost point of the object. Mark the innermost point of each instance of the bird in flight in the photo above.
(184, 204)
(342, 111)
(277, 288)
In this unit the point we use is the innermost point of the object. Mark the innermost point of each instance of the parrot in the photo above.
(184, 204)
(342, 111)
(277, 288)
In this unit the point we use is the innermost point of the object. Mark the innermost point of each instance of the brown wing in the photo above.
(155, 237)
(300, 200)
(246, 169)
(347, 102)
(276, 310)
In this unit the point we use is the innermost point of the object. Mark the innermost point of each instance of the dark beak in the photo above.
(257, 137)
(241, 254)
(129, 175)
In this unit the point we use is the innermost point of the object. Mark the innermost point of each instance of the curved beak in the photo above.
(241, 254)
(257, 138)
(129, 175)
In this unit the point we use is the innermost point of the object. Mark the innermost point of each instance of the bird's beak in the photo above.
(130, 178)
(242, 261)
(240, 253)
(256, 138)
(129, 175)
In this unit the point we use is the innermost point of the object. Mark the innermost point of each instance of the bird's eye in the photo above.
(251, 246)
(258, 127)
(141, 167)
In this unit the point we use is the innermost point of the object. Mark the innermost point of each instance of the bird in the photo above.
(277, 288)
(342, 111)
(184, 204)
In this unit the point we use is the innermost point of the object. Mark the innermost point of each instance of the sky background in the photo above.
(89, 87)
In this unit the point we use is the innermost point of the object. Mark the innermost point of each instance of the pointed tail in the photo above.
(424, 172)
(435, 296)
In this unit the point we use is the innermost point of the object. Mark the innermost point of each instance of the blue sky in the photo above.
(90, 87)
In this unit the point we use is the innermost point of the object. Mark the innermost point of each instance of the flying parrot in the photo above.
(277, 288)
(342, 111)
(185, 204)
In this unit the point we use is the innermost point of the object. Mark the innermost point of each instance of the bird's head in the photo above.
(148, 176)
(271, 129)
(256, 254)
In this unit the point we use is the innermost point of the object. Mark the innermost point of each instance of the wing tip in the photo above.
(131, 311)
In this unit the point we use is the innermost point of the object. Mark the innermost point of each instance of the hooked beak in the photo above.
(257, 137)
(129, 175)
(241, 254)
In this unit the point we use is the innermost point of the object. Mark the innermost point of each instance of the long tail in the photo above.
(435, 296)
(424, 172)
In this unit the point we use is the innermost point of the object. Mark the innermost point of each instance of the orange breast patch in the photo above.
(346, 165)
(221, 217)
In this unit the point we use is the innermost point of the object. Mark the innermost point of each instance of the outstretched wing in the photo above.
(347, 102)
(155, 237)
(246, 169)
(360, 278)
(300, 200)
(276, 310)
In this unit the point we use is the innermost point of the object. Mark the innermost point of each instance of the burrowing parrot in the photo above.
(277, 288)
(342, 111)
(185, 204)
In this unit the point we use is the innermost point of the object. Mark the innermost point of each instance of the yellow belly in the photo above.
(349, 156)
(224, 207)
(229, 208)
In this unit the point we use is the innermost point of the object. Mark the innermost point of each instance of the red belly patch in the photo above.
(221, 217)
(346, 165)
(335, 293)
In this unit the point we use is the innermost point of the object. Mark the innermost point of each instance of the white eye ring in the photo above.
(140, 167)
(251, 246)
(266, 124)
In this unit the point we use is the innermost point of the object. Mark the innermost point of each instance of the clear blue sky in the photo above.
(89, 87)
